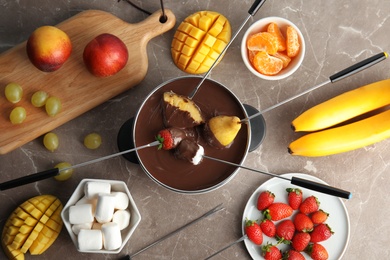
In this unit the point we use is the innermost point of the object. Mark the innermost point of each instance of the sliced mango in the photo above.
(33, 227)
(199, 40)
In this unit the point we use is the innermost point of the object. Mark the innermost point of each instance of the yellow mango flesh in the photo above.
(33, 227)
(199, 40)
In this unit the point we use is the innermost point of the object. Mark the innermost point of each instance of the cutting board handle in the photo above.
(153, 25)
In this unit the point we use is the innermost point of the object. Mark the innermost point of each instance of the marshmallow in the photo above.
(80, 214)
(85, 200)
(90, 239)
(121, 200)
(93, 188)
(122, 218)
(105, 208)
(112, 238)
(77, 227)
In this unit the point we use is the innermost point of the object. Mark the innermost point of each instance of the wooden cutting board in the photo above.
(78, 90)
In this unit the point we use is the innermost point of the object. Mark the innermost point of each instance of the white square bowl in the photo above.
(115, 186)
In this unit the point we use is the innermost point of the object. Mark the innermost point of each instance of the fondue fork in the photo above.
(364, 64)
(311, 185)
(209, 213)
(56, 171)
(252, 11)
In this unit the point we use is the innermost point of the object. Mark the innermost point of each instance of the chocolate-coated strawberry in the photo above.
(303, 223)
(285, 231)
(319, 217)
(293, 255)
(169, 138)
(268, 227)
(277, 211)
(309, 205)
(300, 241)
(321, 232)
(271, 252)
(295, 197)
(253, 231)
(265, 199)
(317, 252)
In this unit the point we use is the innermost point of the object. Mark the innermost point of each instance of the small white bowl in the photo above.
(115, 186)
(261, 26)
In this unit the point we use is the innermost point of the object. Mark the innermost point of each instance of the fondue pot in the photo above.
(181, 176)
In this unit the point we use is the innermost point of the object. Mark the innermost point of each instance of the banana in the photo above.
(343, 107)
(343, 138)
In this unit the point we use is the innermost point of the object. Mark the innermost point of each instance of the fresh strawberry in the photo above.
(268, 227)
(253, 231)
(309, 205)
(319, 217)
(169, 138)
(300, 241)
(293, 255)
(277, 211)
(294, 197)
(285, 231)
(271, 252)
(317, 252)
(265, 199)
(321, 232)
(303, 223)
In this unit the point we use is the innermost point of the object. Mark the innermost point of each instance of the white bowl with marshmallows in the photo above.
(100, 216)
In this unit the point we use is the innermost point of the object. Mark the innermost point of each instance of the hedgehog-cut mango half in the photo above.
(33, 226)
(199, 40)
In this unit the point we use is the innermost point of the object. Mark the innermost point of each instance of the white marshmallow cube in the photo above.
(112, 238)
(80, 214)
(85, 200)
(122, 218)
(77, 227)
(90, 239)
(105, 208)
(94, 188)
(121, 200)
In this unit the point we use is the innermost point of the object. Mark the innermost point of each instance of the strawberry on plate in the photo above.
(300, 241)
(268, 227)
(277, 211)
(317, 252)
(253, 231)
(293, 255)
(285, 231)
(320, 233)
(265, 199)
(319, 217)
(309, 205)
(303, 222)
(295, 197)
(271, 252)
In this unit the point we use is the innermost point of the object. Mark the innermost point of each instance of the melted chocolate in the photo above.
(213, 99)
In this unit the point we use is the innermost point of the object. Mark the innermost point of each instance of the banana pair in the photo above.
(328, 122)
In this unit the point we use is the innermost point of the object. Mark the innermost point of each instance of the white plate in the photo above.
(338, 218)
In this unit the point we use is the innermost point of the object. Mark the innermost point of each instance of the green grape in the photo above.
(53, 106)
(92, 141)
(17, 115)
(13, 92)
(50, 141)
(66, 174)
(39, 98)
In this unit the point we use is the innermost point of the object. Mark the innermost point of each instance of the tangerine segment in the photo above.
(263, 41)
(251, 55)
(266, 64)
(273, 28)
(286, 59)
(293, 45)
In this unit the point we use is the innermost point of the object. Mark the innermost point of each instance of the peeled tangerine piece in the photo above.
(267, 64)
(33, 227)
(180, 111)
(199, 40)
(224, 129)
